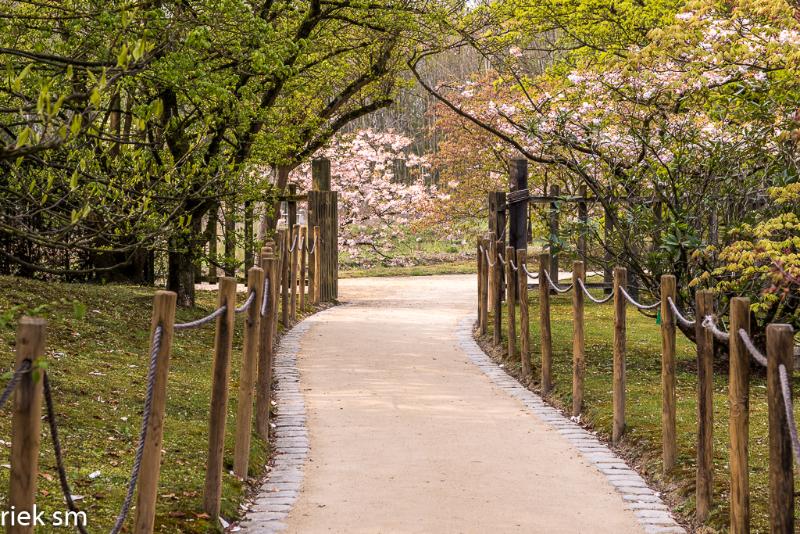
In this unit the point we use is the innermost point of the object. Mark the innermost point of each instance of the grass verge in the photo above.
(98, 366)
(463, 267)
(641, 445)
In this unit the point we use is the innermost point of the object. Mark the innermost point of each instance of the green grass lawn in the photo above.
(98, 366)
(642, 443)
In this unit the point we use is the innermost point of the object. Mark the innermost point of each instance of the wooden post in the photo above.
(321, 174)
(524, 324)
(285, 260)
(223, 342)
(317, 264)
(247, 375)
(291, 207)
(479, 265)
(302, 273)
(583, 218)
(312, 258)
(608, 228)
(486, 278)
(248, 234)
(780, 350)
(544, 324)
(555, 191)
(265, 347)
(492, 248)
(293, 271)
(620, 283)
(511, 291)
(739, 422)
(669, 444)
(163, 316)
(26, 420)
(497, 290)
(704, 305)
(578, 347)
(517, 212)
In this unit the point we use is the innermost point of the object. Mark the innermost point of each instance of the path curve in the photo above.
(412, 429)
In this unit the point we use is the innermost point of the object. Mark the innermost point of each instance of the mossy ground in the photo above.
(98, 366)
(642, 442)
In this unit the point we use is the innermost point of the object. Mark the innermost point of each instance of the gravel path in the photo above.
(401, 424)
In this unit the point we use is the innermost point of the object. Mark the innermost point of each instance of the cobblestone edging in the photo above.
(650, 510)
(280, 490)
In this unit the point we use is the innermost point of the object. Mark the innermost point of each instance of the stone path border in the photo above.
(280, 490)
(650, 510)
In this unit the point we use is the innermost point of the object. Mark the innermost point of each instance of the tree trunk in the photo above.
(183, 252)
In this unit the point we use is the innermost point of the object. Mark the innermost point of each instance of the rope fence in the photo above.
(777, 361)
(258, 340)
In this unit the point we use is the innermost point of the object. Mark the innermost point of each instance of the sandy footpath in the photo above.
(407, 435)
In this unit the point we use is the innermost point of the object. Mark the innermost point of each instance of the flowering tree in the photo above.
(382, 190)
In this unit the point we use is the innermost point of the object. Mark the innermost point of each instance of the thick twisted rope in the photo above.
(751, 348)
(789, 407)
(711, 325)
(686, 323)
(203, 320)
(556, 288)
(313, 246)
(513, 265)
(488, 261)
(265, 300)
(247, 303)
(294, 243)
(12, 384)
(62, 473)
(527, 272)
(591, 297)
(137, 461)
(639, 305)
(500, 258)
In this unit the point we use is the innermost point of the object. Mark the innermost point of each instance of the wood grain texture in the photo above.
(544, 325)
(511, 305)
(704, 305)
(524, 318)
(620, 333)
(668, 381)
(266, 344)
(578, 343)
(780, 350)
(739, 420)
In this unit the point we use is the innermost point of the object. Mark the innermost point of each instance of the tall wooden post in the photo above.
(524, 321)
(317, 264)
(555, 191)
(780, 351)
(479, 266)
(265, 347)
(285, 262)
(249, 242)
(483, 321)
(295, 257)
(223, 343)
(498, 293)
(301, 279)
(247, 375)
(291, 206)
(26, 421)
(323, 212)
(578, 347)
(620, 283)
(704, 305)
(511, 291)
(608, 228)
(163, 316)
(544, 324)
(668, 435)
(517, 212)
(739, 422)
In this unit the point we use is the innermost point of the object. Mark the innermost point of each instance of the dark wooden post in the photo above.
(323, 212)
(249, 242)
(26, 421)
(668, 435)
(479, 265)
(620, 328)
(317, 264)
(291, 207)
(544, 324)
(247, 375)
(608, 228)
(524, 321)
(704, 305)
(583, 218)
(265, 348)
(511, 291)
(555, 191)
(780, 351)
(483, 322)
(518, 212)
(223, 343)
(739, 422)
(578, 348)
(163, 316)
